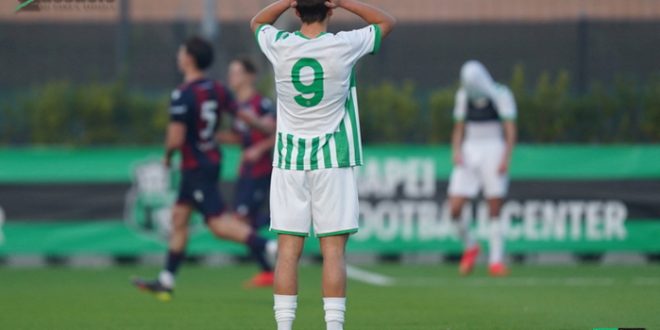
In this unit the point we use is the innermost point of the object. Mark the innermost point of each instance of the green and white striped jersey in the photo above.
(318, 123)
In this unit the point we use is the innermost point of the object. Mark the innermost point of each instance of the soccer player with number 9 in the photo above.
(318, 141)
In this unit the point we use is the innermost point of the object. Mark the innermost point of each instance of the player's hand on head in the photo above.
(333, 4)
(293, 3)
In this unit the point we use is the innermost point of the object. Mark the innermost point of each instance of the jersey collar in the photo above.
(298, 33)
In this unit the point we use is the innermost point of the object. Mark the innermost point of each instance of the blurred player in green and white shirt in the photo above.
(483, 140)
(318, 141)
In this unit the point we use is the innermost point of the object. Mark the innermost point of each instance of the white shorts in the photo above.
(324, 198)
(479, 171)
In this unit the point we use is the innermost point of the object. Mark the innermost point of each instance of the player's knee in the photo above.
(214, 219)
(455, 207)
(215, 224)
(288, 253)
(179, 226)
(333, 252)
(494, 208)
(208, 221)
(455, 212)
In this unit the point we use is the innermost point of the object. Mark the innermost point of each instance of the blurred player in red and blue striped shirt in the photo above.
(257, 143)
(195, 112)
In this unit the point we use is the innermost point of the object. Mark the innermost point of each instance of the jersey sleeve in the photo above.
(460, 105)
(506, 103)
(180, 106)
(267, 35)
(362, 42)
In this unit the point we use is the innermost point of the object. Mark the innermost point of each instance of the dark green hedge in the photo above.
(64, 114)
(549, 112)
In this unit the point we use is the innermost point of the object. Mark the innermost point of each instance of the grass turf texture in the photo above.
(423, 297)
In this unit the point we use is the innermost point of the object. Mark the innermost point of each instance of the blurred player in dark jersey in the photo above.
(196, 109)
(256, 162)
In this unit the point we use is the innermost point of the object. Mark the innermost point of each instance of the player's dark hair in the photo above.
(201, 51)
(312, 11)
(248, 65)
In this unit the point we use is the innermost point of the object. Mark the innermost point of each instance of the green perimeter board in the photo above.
(32, 165)
(115, 238)
(93, 165)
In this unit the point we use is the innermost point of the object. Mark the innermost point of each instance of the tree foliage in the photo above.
(60, 113)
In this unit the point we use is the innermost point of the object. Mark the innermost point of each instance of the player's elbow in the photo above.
(254, 24)
(388, 25)
(392, 21)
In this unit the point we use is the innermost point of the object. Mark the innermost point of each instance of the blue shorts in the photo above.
(199, 188)
(251, 195)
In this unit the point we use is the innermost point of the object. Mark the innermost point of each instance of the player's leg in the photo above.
(496, 239)
(250, 197)
(164, 285)
(495, 188)
(333, 249)
(177, 243)
(290, 203)
(286, 279)
(230, 227)
(456, 204)
(335, 212)
(259, 210)
(243, 205)
(242, 196)
(464, 185)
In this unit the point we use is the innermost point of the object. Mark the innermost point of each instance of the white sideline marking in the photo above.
(646, 281)
(529, 282)
(368, 277)
(376, 279)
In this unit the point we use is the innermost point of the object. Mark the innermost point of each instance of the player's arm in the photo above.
(255, 152)
(506, 105)
(270, 14)
(228, 137)
(510, 138)
(458, 133)
(174, 139)
(457, 141)
(265, 124)
(369, 13)
(175, 136)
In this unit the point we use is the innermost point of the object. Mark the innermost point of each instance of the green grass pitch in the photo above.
(423, 297)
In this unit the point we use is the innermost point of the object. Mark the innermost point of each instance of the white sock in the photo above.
(166, 279)
(285, 311)
(496, 242)
(334, 312)
(464, 232)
